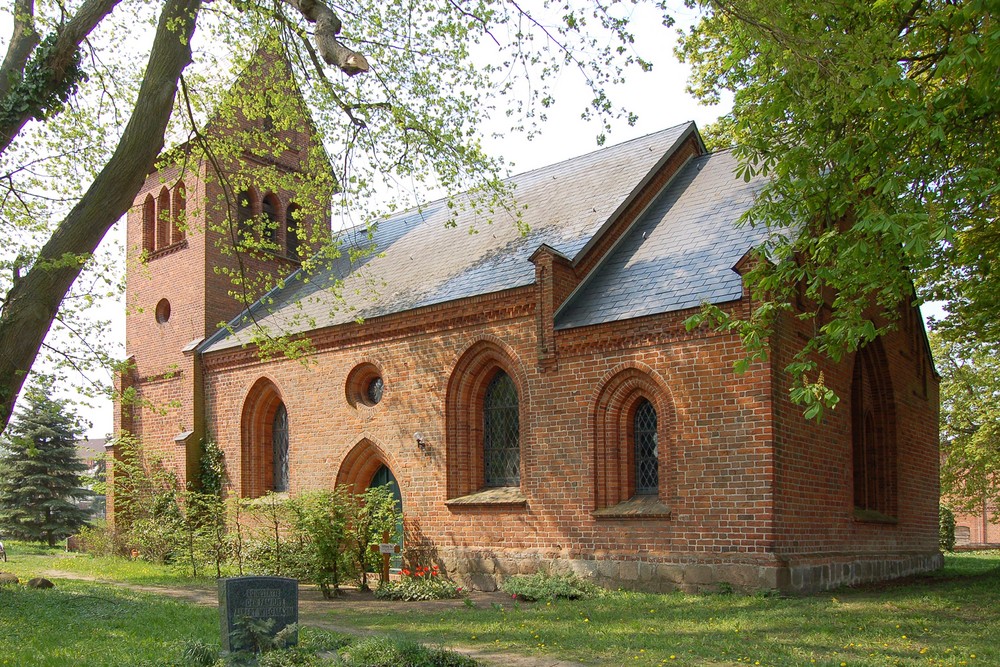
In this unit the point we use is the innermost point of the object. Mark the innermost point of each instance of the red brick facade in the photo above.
(977, 531)
(750, 492)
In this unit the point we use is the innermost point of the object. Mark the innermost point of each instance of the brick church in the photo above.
(535, 397)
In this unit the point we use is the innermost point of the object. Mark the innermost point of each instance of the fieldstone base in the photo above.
(486, 571)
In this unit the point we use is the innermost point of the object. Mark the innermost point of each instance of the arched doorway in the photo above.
(384, 477)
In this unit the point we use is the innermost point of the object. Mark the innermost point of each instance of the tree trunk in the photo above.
(34, 299)
(71, 35)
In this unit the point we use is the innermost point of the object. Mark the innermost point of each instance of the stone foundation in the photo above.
(486, 571)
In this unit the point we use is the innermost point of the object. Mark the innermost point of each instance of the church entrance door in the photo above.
(384, 477)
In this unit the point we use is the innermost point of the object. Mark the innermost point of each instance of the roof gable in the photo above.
(679, 253)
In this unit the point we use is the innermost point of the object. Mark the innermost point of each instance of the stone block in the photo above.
(527, 566)
(700, 575)
(482, 582)
(585, 569)
(670, 572)
(628, 570)
(608, 569)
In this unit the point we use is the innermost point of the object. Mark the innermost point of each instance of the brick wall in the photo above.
(752, 500)
(715, 457)
(820, 534)
(194, 275)
(981, 529)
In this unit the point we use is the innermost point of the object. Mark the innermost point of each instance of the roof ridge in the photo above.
(600, 149)
(431, 202)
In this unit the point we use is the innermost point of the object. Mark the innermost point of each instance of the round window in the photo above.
(163, 311)
(375, 390)
(365, 386)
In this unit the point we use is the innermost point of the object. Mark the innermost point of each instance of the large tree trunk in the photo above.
(34, 299)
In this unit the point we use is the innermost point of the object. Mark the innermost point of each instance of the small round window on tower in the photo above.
(163, 311)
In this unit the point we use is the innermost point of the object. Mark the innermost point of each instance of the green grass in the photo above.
(28, 560)
(944, 619)
(80, 623)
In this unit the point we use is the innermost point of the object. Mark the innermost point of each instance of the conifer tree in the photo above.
(40, 471)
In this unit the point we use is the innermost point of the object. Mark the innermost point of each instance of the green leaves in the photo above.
(872, 124)
(42, 90)
(970, 423)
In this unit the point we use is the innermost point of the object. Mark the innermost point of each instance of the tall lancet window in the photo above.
(501, 433)
(647, 463)
(279, 444)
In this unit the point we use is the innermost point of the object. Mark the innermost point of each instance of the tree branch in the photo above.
(23, 40)
(59, 62)
(32, 304)
(327, 28)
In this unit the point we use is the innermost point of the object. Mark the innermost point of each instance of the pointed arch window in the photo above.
(501, 433)
(163, 222)
(264, 452)
(279, 449)
(269, 207)
(633, 427)
(873, 450)
(646, 449)
(178, 213)
(292, 231)
(149, 224)
(245, 203)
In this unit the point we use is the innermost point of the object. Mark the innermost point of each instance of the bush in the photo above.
(321, 520)
(946, 528)
(549, 587)
(384, 652)
(101, 539)
(423, 584)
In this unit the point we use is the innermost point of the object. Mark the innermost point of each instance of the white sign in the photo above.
(387, 548)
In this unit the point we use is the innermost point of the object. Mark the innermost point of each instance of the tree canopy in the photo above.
(970, 424)
(396, 91)
(878, 124)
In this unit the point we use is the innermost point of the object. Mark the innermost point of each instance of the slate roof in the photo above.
(419, 261)
(680, 252)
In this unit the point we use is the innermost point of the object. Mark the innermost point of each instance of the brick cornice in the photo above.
(650, 330)
(491, 308)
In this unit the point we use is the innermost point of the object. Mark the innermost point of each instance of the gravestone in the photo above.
(257, 598)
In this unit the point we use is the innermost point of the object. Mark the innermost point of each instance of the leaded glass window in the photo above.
(279, 444)
(647, 467)
(374, 391)
(501, 433)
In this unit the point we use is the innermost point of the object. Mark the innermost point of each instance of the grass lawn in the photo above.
(29, 560)
(951, 618)
(82, 623)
